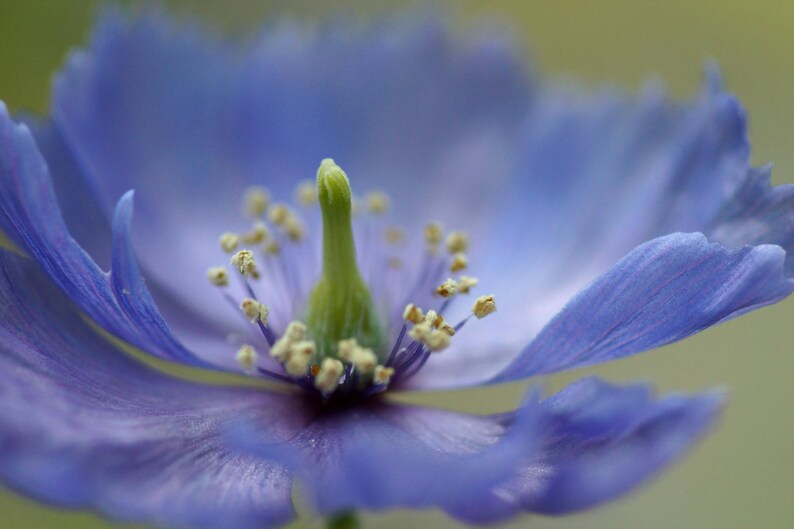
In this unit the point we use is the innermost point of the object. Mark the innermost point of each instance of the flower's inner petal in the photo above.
(189, 123)
(86, 427)
(600, 174)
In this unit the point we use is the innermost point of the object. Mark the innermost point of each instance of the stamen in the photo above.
(229, 241)
(437, 341)
(258, 233)
(413, 313)
(459, 262)
(294, 228)
(218, 276)
(278, 214)
(245, 263)
(300, 357)
(395, 263)
(457, 241)
(394, 235)
(466, 283)
(256, 201)
(246, 357)
(438, 321)
(377, 202)
(254, 310)
(327, 378)
(382, 375)
(280, 349)
(306, 193)
(483, 306)
(434, 232)
(363, 359)
(447, 289)
(295, 331)
(421, 331)
(273, 248)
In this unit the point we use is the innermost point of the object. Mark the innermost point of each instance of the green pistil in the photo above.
(340, 305)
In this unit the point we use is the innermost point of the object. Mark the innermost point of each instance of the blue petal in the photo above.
(384, 456)
(588, 444)
(30, 215)
(600, 442)
(665, 290)
(758, 214)
(90, 227)
(601, 174)
(188, 122)
(84, 217)
(83, 426)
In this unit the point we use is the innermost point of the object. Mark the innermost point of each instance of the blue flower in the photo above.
(601, 225)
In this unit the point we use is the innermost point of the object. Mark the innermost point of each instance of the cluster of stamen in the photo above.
(298, 354)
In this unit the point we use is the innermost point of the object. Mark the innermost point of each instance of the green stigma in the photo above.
(340, 306)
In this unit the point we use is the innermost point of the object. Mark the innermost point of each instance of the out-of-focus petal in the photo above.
(600, 441)
(30, 216)
(189, 121)
(82, 425)
(601, 174)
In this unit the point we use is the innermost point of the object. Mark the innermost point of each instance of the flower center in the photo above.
(348, 329)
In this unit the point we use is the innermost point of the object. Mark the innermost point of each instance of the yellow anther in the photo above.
(365, 360)
(413, 313)
(218, 276)
(246, 357)
(293, 334)
(466, 283)
(306, 193)
(483, 306)
(382, 375)
(327, 378)
(447, 329)
(438, 321)
(377, 202)
(256, 201)
(434, 232)
(294, 228)
(273, 248)
(280, 349)
(296, 331)
(447, 289)
(437, 341)
(254, 310)
(245, 263)
(434, 318)
(361, 357)
(229, 241)
(300, 357)
(394, 235)
(459, 262)
(258, 233)
(278, 214)
(346, 349)
(421, 331)
(457, 241)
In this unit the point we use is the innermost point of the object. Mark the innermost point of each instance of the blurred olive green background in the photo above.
(743, 475)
